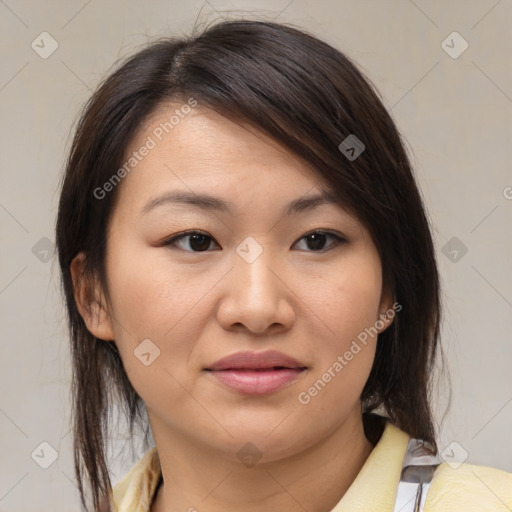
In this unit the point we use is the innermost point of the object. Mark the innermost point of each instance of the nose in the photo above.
(257, 296)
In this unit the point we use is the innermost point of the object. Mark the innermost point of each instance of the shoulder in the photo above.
(136, 490)
(469, 488)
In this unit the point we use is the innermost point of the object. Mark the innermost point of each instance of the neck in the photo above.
(196, 479)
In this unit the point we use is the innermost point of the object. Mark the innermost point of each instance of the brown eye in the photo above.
(191, 241)
(197, 241)
(316, 240)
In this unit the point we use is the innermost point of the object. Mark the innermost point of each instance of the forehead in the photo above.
(203, 133)
(201, 150)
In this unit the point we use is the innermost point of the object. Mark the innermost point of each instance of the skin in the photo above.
(198, 307)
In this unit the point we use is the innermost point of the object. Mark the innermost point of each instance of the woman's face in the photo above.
(256, 279)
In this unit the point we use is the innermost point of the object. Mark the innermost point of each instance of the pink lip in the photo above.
(256, 373)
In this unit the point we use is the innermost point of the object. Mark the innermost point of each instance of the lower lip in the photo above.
(253, 382)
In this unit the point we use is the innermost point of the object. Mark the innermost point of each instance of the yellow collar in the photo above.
(373, 489)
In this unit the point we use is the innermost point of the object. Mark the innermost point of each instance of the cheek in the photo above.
(148, 294)
(152, 299)
(347, 301)
(347, 307)
(345, 353)
(146, 304)
(155, 336)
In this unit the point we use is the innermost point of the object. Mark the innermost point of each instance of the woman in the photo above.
(245, 257)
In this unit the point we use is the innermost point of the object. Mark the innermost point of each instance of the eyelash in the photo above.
(171, 241)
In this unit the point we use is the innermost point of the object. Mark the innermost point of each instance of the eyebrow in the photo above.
(211, 203)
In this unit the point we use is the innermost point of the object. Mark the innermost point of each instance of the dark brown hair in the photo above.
(307, 96)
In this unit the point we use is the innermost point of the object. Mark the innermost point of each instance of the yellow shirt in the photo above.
(468, 488)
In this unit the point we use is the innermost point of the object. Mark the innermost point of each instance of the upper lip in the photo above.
(256, 361)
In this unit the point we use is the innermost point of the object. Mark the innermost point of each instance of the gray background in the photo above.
(454, 112)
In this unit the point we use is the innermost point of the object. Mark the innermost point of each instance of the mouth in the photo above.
(256, 373)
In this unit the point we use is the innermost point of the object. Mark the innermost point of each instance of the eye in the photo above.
(316, 240)
(197, 241)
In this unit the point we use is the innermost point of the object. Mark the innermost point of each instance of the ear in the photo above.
(388, 308)
(90, 300)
